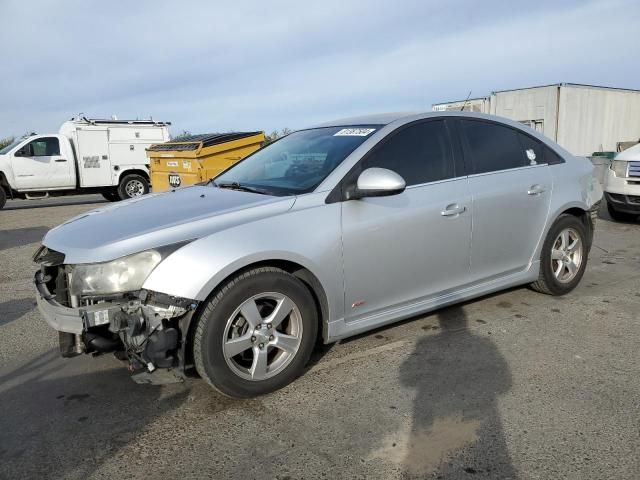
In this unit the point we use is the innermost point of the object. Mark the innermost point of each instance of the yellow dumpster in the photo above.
(198, 158)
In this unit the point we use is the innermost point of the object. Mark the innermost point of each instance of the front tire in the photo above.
(3, 197)
(563, 259)
(132, 186)
(256, 334)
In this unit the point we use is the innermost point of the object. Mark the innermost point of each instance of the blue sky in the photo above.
(245, 65)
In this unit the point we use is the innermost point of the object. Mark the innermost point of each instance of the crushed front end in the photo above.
(141, 327)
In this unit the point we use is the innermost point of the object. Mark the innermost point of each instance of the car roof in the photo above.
(388, 118)
(400, 118)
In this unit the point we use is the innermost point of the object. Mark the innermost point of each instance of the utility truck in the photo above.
(85, 156)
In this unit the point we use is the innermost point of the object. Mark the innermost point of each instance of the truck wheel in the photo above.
(563, 259)
(256, 334)
(132, 186)
(619, 216)
(111, 195)
(3, 197)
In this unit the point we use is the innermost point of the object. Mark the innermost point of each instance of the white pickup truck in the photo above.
(86, 156)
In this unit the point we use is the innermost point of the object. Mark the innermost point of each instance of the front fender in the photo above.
(308, 236)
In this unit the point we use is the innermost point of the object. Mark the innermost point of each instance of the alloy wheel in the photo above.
(566, 255)
(262, 336)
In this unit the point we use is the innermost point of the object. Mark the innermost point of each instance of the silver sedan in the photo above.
(325, 233)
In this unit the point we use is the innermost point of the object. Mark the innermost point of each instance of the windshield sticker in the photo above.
(354, 132)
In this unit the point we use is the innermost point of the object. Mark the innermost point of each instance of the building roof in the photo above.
(577, 85)
(580, 85)
(463, 100)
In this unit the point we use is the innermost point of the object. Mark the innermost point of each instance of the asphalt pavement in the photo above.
(514, 385)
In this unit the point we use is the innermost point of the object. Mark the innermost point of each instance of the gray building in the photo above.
(582, 118)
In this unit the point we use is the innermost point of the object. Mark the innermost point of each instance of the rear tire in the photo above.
(563, 259)
(256, 334)
(3, 197)
(620, 216)
(132, 186)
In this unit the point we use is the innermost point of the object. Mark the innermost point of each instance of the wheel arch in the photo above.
(4, 184)
(133, 171)
(304, 274)
(582, 212)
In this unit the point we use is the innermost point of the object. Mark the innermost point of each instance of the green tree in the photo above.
(273, 136)
(6, 141)
(181, 136)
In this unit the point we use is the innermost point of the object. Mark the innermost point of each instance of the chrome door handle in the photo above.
(535, 190)
(453, 210)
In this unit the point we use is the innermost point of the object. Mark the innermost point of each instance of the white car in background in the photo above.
(622, 185)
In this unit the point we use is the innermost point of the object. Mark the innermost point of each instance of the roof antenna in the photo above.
(465, 101)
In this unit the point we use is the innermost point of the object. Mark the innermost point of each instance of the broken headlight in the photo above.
(124, 274)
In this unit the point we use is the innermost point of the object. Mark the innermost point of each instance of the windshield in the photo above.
(297, 163)
(8, 148)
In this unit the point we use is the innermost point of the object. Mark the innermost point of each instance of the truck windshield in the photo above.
(8, 148)
(297, 163)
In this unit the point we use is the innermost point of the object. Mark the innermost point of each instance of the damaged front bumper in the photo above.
(67, 319)
(147, 329)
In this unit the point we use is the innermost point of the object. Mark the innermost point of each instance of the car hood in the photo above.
(158, 219)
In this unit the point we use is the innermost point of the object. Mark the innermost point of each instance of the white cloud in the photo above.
(257, 65)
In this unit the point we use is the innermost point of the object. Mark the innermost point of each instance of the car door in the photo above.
(39, 165)
(401, 249)
(511, 187)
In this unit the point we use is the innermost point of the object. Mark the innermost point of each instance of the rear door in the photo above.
(94, 162)
(405, 248)
(511, 187)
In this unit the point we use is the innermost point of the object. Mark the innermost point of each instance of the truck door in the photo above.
(41, 164)
(94, 163)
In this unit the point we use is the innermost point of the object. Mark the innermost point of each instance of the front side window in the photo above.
(493, 147)
(43, 147)
(297, 163)
(419, 153)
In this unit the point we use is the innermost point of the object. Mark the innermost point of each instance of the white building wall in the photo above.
(537, 107)
(596, 119)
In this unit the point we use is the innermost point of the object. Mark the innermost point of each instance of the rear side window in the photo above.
(533, 149)
(420, 153)
(492, 147)
(537, 152)
(551, 157)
